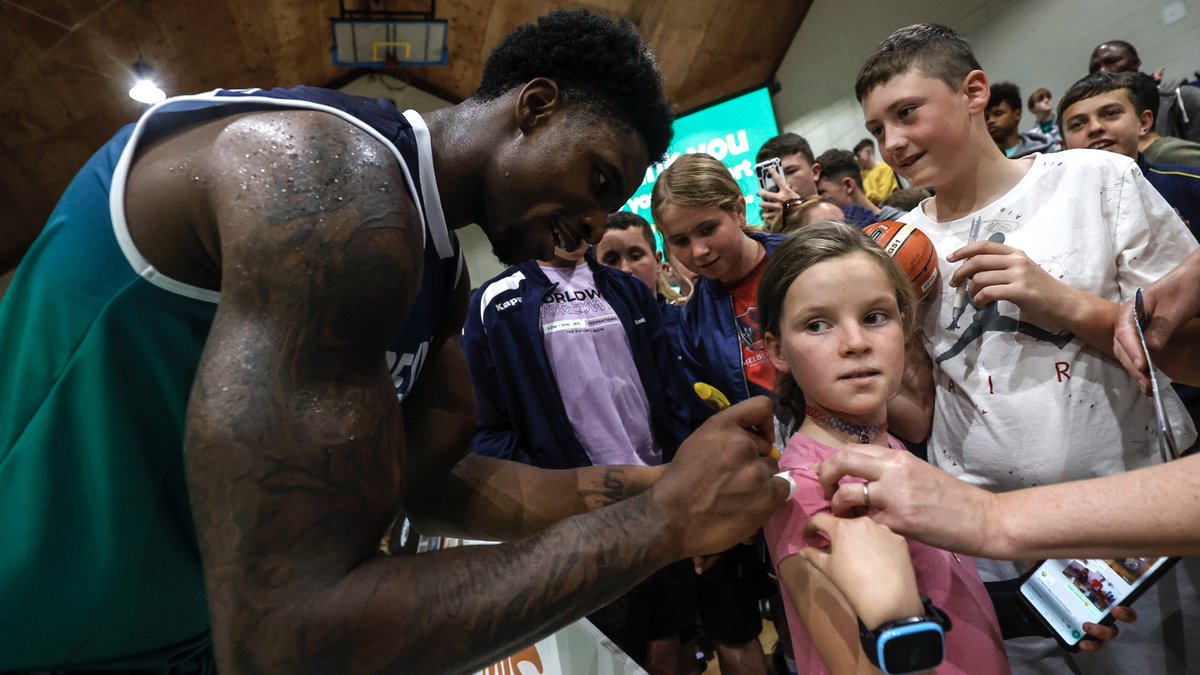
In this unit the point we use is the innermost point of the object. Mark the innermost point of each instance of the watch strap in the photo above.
(934, 619)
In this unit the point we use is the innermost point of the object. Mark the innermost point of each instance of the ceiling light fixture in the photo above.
(144, 89)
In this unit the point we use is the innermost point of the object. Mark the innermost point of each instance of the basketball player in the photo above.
(196, 391)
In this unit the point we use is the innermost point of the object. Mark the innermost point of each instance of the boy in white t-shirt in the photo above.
(1027, 390)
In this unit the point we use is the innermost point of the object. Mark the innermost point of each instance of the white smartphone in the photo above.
(765, 181)
(1065, 594)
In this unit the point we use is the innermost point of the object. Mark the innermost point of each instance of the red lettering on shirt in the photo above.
(1060, 370)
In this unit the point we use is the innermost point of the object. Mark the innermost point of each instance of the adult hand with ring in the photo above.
(911, 497)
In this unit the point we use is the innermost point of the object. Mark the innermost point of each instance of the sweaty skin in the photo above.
(299, 455)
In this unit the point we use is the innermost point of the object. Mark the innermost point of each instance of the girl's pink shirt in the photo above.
(973, 645)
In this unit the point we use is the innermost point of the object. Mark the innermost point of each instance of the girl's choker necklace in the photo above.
(864, 433)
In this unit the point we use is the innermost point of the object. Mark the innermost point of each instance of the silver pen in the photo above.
(960, 298)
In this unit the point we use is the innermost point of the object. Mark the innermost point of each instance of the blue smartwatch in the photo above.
(910, 645)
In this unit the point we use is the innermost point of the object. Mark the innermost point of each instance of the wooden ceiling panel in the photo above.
(67, 65)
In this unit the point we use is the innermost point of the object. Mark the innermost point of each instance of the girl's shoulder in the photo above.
(802, 452)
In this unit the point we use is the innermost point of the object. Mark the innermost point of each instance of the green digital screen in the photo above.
(732, 131)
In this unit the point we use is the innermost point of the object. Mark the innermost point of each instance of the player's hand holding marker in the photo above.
(712, 396)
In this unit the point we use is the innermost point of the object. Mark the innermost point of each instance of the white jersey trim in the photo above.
(435, 218)
(144, 269)
(511, 283)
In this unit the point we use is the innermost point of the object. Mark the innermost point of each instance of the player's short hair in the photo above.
(864, 143)
(1039, 93)
(598, 63)
(783, 145)
(1005, 92)
(624, 220)
(1141, 89)
(837, 163)
(936, 51)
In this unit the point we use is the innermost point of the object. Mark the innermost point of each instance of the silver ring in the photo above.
(867, 495)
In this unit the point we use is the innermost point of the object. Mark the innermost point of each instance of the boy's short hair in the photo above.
(837, 163)
(1141, 89)
(623, 220)
(936, 51)
(1039, 93)
(864, 143)
(597, 62)
(783, 145)
(906, 199)
(1005, 92)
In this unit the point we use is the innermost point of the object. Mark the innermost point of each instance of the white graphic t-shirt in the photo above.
(1019, 405)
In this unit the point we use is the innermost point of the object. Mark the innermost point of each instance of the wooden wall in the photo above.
(66, 65)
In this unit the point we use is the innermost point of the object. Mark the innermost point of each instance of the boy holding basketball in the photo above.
(1026, 389)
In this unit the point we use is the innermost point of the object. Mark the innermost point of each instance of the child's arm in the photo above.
(1148, 240)
(910, 413)
(999, 272)
(865, 573)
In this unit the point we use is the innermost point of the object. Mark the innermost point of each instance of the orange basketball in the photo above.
(911, 250)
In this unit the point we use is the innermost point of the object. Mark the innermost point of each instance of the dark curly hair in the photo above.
(1005, 92)
(597, 62)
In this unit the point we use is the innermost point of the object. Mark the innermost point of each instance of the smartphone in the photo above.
(1065, 594)
(765, 181)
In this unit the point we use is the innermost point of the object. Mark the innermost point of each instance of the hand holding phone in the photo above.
(1065, 594)
(765, 180)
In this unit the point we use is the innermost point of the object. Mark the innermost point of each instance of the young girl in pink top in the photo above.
(837, 315)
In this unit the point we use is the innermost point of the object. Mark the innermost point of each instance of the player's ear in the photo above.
(848, 185)
(775, 353)
(538, 100)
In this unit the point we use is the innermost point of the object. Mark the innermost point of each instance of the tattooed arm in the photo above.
(296, 447)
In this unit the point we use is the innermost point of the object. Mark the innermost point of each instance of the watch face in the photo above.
(918, 650)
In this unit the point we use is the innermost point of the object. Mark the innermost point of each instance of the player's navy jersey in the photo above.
(443, 259)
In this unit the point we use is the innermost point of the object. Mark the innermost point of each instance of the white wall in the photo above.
(476, 249)
(1034, 43)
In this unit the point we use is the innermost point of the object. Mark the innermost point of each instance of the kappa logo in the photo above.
(501, 306)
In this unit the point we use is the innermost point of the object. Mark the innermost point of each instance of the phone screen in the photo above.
(1069, 593)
